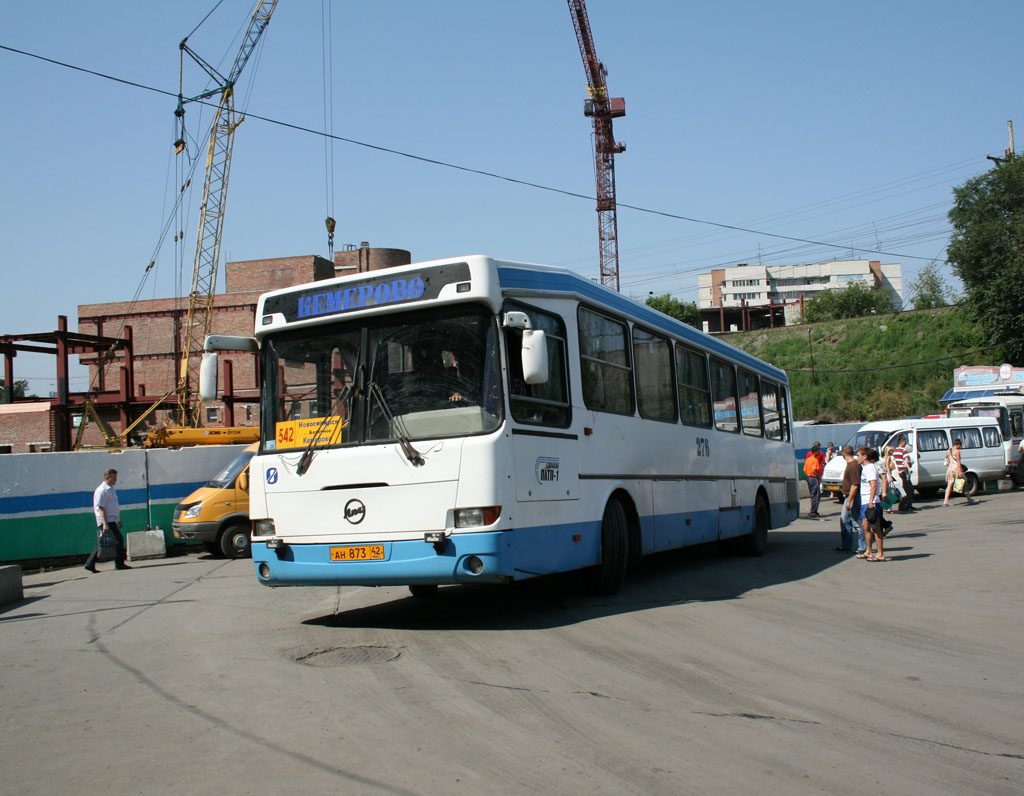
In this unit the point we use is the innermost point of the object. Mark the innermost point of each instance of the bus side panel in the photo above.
(685, 513)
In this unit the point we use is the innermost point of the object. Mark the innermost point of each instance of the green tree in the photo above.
(853, 302)
(987, 252)
(20, 386)
(687, 313)
(929, 289)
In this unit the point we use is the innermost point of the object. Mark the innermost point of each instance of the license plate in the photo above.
(362, 552)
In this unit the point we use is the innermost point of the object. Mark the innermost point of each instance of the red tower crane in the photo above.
(602, 109)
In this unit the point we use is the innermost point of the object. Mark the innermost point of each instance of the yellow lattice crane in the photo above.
(211, 213)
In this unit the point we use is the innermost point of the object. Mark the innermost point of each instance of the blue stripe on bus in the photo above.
(520, 553)
(568, 282)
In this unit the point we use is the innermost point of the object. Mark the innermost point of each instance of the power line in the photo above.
(481, 172)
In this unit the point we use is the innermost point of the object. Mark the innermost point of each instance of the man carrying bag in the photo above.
(108, 522)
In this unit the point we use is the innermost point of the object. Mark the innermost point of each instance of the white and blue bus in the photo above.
(480, 421)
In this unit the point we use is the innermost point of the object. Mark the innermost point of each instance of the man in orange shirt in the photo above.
(814, 466)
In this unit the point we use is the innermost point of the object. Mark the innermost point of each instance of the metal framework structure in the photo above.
(602, 109)
(211, 214)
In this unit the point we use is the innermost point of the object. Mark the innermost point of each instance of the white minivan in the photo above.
(928, 439)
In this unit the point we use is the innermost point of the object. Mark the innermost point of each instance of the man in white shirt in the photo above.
(108, 519)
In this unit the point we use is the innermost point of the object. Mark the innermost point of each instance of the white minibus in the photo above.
(928, 439)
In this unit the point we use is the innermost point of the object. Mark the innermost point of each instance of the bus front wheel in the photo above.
(608, 576)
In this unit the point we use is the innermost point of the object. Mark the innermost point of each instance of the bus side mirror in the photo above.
(243, 480)
(208, 378)
(535, 356)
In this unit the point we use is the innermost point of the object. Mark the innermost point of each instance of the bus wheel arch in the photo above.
(972, 484)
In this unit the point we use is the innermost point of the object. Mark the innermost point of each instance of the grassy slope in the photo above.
(870, 343)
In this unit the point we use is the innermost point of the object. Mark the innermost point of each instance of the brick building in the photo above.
(155, 328)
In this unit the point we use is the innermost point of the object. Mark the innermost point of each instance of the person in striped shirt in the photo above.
(901, 459)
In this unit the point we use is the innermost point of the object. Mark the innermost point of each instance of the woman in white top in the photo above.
(871, 507)
(955, 470)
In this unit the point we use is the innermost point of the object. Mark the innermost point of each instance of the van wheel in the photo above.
(972, 486)
(234, 542)
(608, 576)
(1018, 475)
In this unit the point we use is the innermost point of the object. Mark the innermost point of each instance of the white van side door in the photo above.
(930, 448)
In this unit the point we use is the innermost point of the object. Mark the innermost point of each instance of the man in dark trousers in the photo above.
(849, 518)
(814, 466)
(108, 519)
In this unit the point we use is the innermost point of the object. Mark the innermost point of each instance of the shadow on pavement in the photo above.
(695, 574)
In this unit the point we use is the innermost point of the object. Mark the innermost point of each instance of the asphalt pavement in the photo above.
(803, 671)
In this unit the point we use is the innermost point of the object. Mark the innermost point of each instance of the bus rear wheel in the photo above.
(972, 486)
(608, 576)
(756, 542)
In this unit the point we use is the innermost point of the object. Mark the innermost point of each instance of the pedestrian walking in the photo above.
(851, 537)
(814, 466)
(871, 506)
(954, 472)
(108, 520)
(901, 458)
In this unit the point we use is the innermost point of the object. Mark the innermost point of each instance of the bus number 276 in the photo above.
(703, 446)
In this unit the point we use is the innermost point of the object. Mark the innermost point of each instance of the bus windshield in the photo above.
(415, 375)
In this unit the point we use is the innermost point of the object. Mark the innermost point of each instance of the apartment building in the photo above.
(754, 285)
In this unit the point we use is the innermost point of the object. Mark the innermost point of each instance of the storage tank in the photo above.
(354, 259)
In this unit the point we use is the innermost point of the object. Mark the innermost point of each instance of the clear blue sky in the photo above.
(835, 121)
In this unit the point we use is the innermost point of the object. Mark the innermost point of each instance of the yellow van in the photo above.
(217, 514)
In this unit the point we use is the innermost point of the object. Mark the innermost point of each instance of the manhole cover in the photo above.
(345, 656)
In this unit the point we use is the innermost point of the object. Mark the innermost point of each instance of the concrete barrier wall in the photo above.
(46, 498)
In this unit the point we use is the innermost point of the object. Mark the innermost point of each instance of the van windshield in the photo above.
(870, 439)
(227, 476)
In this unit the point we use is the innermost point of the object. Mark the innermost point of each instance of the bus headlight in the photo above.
(263, 528)
(192, 512)
(472, 518)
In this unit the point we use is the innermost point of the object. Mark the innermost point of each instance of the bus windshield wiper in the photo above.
(396, 423)
(307, 455)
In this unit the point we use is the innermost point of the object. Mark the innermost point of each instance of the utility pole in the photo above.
(1009, 152)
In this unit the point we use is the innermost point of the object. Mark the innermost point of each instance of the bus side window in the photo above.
(992, 437)
(605, 367)
(770, 407)
(692, 386)
(1017, 423)
(547, 403)
(723, 391)
(652, 356)
(750, 407)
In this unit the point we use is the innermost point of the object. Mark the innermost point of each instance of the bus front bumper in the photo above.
(462, 558)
